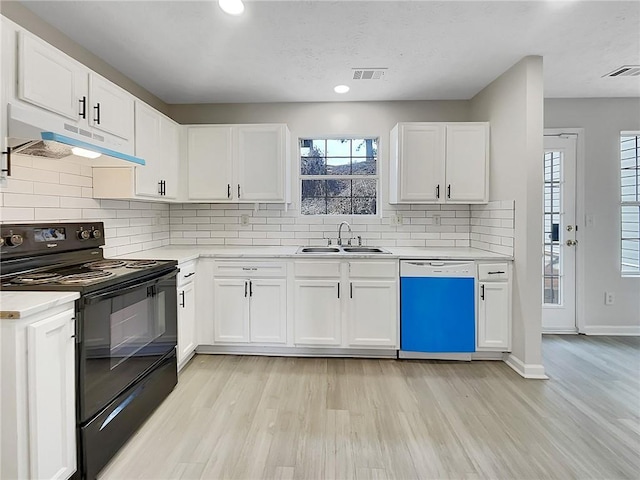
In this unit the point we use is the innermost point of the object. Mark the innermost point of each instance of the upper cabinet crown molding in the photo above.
(239, 163)
(439, 163)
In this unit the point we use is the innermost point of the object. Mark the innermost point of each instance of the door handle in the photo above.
(438, 191)
(250, 288)
(97, 116)
(350, 290)
(83, 103)
(238, 190)
(228, 190)
(482, 292)
(8, 169)
(449, 191)
(245, 289)
(338, 289)
(182, 297)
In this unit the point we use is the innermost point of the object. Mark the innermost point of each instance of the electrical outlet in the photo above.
(396, 219)
(437, 219)
(244, 219)
(609, 298)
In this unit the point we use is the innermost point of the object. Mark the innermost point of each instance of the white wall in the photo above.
(602, 120)
(46, 190)
(513, 103)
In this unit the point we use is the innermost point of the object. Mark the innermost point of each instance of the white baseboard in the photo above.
(531, 371)
(631, 330)
(559, 331)
(297, 351)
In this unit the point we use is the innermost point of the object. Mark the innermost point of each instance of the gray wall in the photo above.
(602, 120)
(513, 104)
(27, 19)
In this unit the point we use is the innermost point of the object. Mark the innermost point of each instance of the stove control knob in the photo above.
(84, 235)
(96, 234)
(14, 240)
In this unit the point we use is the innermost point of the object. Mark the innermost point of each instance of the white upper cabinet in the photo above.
(157, 142)
(239, 163)
(261, 162)
(111, 108)
(210, 157)
(93, 109)
(147, 147)
(50, 79)
(467, 157)
(439, 163)
(417, 164)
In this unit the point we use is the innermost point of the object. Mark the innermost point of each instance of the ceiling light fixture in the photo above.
(232, 7)
(81, 152)
(341, 89)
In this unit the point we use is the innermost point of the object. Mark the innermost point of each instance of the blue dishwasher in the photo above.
(437, 309)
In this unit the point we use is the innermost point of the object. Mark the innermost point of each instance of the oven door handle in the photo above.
(89, 299)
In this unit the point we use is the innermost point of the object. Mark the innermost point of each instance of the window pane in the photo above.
(364, 206)
(313, 206)
(339, 148)
(338, 188)
(364, 188)
(338, 166)
(314, 188)
(339, 206)
(312, 166)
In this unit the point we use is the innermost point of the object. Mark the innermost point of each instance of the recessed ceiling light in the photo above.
(232, 7)
(81, 152)
(341, 89)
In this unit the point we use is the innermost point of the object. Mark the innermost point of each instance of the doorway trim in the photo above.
(580, 218)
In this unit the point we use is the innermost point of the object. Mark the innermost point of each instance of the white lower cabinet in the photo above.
(494, 307)
(187, 332)
(250, 302)
(38, 396)
(372, 313)
(346, 304)
(317, 312)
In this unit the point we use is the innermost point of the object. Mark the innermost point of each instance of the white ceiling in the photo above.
(293, 51)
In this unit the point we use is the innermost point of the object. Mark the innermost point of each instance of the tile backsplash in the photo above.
(43, 190)
(46, 190)
(419, 226)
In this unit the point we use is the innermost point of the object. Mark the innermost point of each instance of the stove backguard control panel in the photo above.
(39, 238)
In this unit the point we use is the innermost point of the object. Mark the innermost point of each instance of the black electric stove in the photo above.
(126, 327)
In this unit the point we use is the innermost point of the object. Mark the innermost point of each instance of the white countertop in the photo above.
(184, 253)
(23, 304)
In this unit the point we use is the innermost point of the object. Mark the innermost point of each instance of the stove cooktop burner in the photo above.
(80, 278)
(105, 264)
(36, 278)
(141, 263)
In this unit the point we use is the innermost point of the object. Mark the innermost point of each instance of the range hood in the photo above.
(32, 131)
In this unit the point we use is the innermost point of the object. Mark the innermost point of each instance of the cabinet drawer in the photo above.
(249, 269)
(317, 269)
(187, 272)
(373, 269)
(493, 272)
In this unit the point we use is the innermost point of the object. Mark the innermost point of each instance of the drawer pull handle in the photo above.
(496, 273)
(189, 274)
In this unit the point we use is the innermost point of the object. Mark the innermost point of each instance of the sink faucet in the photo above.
(340, 232)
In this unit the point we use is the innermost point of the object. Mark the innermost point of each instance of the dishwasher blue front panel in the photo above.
(437, 314)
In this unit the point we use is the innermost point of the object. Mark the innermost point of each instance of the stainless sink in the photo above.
(319, 250)
(343, 250)
(363, 250)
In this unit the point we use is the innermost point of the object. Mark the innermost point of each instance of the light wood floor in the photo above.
(265, 417)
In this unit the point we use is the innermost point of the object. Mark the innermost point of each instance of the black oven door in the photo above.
(123, 333)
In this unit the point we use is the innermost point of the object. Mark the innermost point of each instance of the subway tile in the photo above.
(57, 189)
(77, 180)
(79, 202)
(32, 174)
(209, 241)
(24, 200)
(17, 214)
(58, 214)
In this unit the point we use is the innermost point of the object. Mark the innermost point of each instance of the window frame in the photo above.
(627, 203)
(376, 177)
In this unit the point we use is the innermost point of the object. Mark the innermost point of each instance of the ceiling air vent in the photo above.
(625, 71)
(368, 73)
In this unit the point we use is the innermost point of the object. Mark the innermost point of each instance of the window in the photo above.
(339, 176)
(630, 200)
